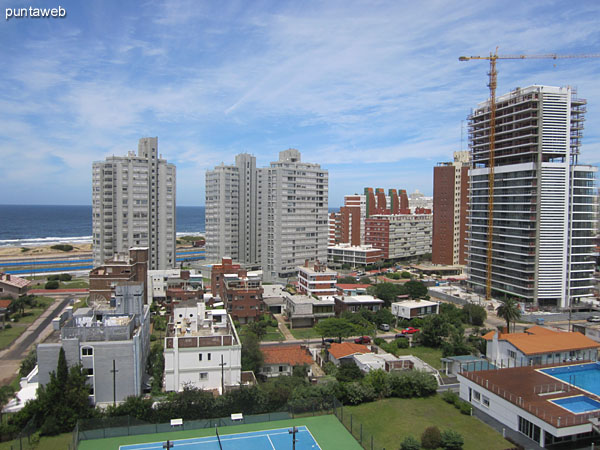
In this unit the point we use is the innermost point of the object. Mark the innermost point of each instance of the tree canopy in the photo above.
(509, 311)
(336, 328)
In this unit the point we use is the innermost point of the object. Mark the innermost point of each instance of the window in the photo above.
(476, 396)
(199, 356)
(485, 401)
(208, 357)
(203, 375)
(90, 371)
(87, 351)
(512, 354)
(281, 368)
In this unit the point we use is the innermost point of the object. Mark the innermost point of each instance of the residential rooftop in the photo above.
(294, 355)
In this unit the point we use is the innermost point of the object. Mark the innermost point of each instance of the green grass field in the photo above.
(430, 355)
(8, 335)
(393, 419)
(327, 430)
(304, 333)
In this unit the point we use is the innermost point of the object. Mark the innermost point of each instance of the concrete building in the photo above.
(110, 342)
(294, 201)
(173, 286)
(13, 286)
(339, 352)
(345, 303)
(544, 201)
(354, 255)
(419, 200)
(316, 280)
(411, 309)
(233, 211)
(400, 235)
(450, 199)
(242, 292)
(202, 349)
(131, 267)
(305, 311)
(133, 205)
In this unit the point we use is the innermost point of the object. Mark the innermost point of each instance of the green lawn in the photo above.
(7, 336)
(273, 333)
(391, 420)
(329, 433)
(430, 355)
(304, 333)
(73, 284)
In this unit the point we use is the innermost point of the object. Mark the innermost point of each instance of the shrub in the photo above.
(25, 249)
(65, 277)
(379, 341)
(52, 278)
(62, 247)
(51, 285)
(431, 438)
(153, 338)
(452, 440)
(450, 397)
(405, 274)
(410, 443)
(7, 325)
(464, 407)
(402, 343)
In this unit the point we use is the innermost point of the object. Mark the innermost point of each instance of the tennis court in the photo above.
(278, 439)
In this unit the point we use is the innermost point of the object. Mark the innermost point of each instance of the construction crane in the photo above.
(493, 74)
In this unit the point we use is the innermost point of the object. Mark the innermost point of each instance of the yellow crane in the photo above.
(493, 74)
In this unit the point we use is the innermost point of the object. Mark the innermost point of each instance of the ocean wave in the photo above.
(52, 240)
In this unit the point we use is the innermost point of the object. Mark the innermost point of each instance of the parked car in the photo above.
(384, 327)
(363, 340)
(410, 330)
(400, 335)
(593, 319)
(329, 340)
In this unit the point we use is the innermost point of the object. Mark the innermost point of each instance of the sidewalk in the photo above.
(283, 328)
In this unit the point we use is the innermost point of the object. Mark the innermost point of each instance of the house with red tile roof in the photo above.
(346, 350)
(12, 286)
(281, 359)
(538, 345)
(352, 289)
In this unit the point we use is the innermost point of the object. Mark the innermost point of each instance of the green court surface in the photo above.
(327, 431)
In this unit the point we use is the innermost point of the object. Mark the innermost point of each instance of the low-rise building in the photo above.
(110, 342)
(357, 255)
(538, 345)
(317, 280)
(387, 362)
(273, 297)
(352, 289)
(354, 303)
(305, 311)
(172, 286)
(590, 330)
(132, 267)
(410, 309)
(281, 359)
(13, 286)
(338, 352)
(202, 349)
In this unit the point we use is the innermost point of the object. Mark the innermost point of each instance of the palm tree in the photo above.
(509, 311)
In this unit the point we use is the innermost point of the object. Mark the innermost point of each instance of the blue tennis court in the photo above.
(279, 439)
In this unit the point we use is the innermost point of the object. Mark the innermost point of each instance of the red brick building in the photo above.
(241, 293)
(121, 268)
(450, 199)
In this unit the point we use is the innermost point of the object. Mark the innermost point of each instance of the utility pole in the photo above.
(223, 364)
(114, 372)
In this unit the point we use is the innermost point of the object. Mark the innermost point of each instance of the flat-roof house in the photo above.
(538, 345)
(414, 308)
(305, 311)
(281, 360)
(352, 289)
(354, 303)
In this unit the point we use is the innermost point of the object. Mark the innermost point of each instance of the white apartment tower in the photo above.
(133, 205)
(544, 201)
(232, 211)
(294, 199)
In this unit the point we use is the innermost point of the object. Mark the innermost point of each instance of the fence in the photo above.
(25, 439)
(356, 429)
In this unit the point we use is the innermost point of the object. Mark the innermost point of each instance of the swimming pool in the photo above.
(578, 404)
(583, 376)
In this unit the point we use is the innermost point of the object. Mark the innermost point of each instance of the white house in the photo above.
(202, 349)
(414, 308)
(281, 359)
(345, 350)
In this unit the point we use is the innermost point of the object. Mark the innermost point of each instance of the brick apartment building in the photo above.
(120, 268)
(241, 293)
(450, 199)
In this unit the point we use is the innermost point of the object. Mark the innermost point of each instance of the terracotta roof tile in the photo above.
(5, 303)
(352, 286)
(15, 281)
(347, 348)
(293, 355)
(538, 340)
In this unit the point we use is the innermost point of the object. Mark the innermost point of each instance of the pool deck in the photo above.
(522, 386)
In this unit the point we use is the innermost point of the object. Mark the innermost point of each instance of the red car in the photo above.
(363, 340)
(410, 330)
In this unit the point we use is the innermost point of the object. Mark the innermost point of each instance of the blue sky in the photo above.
(371, 90)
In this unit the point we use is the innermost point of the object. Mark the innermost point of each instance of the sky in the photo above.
(371, 90)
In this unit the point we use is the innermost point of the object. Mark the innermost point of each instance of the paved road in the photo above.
(10, 358)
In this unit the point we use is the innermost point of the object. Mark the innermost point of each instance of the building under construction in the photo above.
(543, 201)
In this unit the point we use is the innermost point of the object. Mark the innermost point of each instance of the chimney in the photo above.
(306, 263)
(7, 277)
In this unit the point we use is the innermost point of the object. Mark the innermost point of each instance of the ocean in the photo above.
(30, 225)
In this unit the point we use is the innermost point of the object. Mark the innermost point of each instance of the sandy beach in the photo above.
(42, 250)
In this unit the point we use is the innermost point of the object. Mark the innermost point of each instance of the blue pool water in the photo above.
(578, 404)
(583, 376)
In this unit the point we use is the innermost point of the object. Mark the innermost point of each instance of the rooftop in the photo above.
(294, 355)
(346, 349)
(416, 303)
(13, 280)
(352, 286)
(538, 340)
(358, 299)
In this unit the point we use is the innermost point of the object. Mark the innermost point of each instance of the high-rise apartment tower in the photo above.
(133, 205)
(544, 201)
